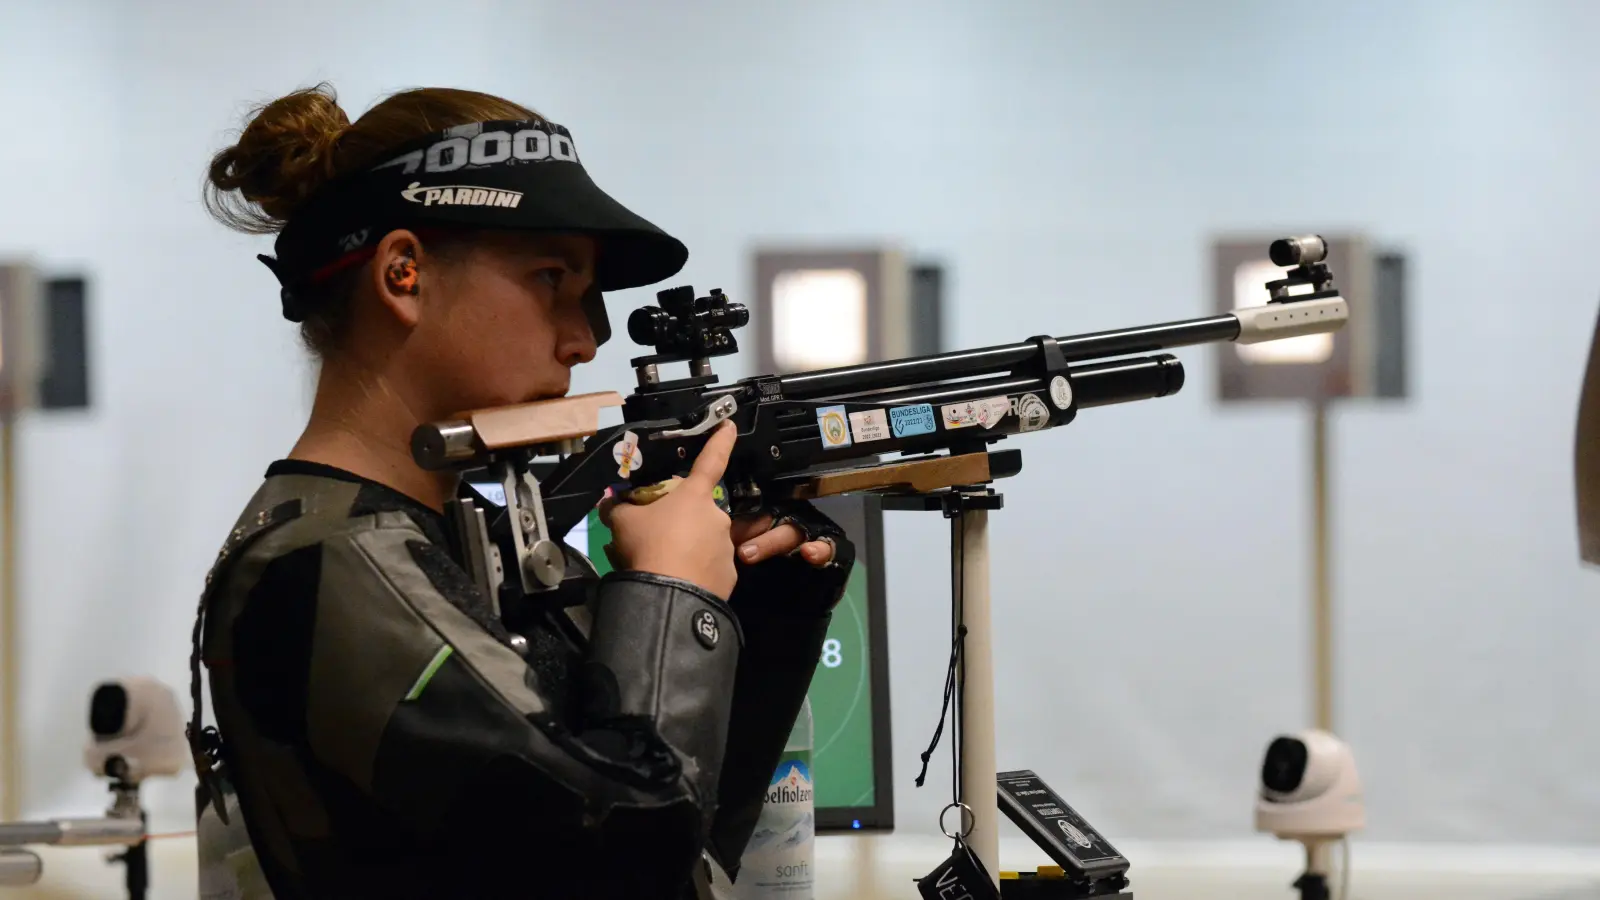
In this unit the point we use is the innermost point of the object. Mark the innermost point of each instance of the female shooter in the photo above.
(385, 734)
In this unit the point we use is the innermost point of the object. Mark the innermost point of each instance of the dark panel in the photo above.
(861, 516)
(927, 310)
(1389, 296)
(65, 384)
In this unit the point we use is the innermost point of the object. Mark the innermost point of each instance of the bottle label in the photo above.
(778, 860)
(791, 783)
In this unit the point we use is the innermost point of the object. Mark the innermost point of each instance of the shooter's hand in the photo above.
(758, 541)
(802, 563)
(683, 534)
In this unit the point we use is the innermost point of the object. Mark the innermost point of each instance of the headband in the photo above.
(513, 175)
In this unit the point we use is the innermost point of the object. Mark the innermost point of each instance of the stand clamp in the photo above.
(952, 503)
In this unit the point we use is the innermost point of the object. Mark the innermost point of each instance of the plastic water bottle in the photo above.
(777, 863)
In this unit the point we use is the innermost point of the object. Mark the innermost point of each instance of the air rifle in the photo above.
(915, 425)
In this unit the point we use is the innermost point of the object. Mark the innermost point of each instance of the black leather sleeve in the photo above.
(784, 606)
(662, 653)
(447, 730)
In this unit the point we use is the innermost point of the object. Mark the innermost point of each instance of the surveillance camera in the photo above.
(1310, 789)
(135, 730)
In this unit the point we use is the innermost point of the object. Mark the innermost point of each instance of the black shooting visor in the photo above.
(511, 175)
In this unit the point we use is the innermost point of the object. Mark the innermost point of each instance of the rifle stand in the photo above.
(136, 859)
(124, 824)
(968, 508)
(968, 512)
(1312, 886)
(1313, 882)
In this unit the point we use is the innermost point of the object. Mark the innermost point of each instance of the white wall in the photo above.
(1067, 161)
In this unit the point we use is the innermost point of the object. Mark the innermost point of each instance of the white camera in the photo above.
(1310, 790)
(135, 731)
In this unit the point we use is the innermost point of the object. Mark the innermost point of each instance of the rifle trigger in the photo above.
(720, 409)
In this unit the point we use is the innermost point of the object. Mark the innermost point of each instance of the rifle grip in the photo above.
(650, 493)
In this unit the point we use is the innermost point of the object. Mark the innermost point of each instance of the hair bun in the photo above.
(286, 152)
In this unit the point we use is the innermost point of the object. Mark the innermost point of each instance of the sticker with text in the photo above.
(1032, 414)
(627, 454)
(871, 425)
(909, 421)
(835, 430)
(985, 413)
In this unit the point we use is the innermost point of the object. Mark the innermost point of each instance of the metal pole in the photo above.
(1313, 884)
(10, 752)
(975, 687)
(866, 860)
(1321, 588)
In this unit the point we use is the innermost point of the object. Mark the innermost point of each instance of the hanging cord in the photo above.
(950, 693)
(944, 709)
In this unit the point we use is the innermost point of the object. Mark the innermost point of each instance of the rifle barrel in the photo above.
(1094, 384)
(904, 374)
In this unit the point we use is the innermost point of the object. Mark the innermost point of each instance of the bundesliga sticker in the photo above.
(872, 425)
(909, 421)
(985, 413)
(835, 431)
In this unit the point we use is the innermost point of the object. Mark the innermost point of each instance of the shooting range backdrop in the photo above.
(1067, 161)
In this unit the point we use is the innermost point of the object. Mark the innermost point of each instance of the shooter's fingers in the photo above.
(713, 459)
(817, 553)
(780, 541)
(746, 528)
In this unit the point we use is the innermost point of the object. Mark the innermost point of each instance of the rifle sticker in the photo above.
(627, 454)
(1060, 392)
(909, 421)
(993, 410)
(986, 413)
(835, 431)
(871, 425)
(1032, 414)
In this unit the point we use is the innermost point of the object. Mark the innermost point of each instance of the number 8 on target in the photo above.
(832, 655)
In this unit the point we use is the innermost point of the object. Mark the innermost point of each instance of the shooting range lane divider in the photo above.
(20, 867)
(73, 832)
(916, 429)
